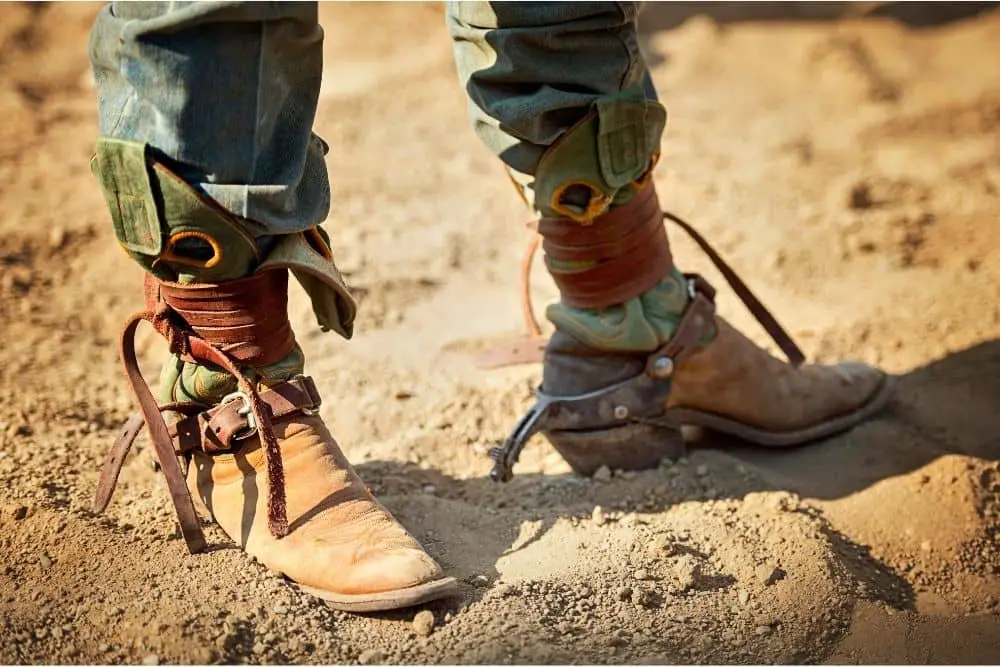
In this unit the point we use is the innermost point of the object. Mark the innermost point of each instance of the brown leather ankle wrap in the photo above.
(247, 319)
(628, 246)
(230, 325)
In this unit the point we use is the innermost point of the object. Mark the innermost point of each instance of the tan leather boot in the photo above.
(242, 416)
(342, 545)
(265, 466)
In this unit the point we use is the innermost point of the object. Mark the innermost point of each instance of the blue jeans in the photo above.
(226, 92)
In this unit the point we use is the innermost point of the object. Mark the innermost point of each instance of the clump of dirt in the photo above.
(849, 169)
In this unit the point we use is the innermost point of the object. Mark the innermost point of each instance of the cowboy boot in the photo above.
(239, 413)
(638, 350)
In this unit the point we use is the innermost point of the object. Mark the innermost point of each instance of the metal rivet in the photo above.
(663, 367)
(621, 412)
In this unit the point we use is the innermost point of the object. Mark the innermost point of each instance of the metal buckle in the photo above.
(245, 411)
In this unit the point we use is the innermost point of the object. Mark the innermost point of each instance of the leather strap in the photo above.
(529, 349)
(192, 431)
(760, 312)
(247, 319)
(697, 322)
(222, 427)
(627, 248)
(205, 328)
(186, 515)
(123, 444)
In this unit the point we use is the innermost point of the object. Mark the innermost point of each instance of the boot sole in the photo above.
(628, 447)
(387, 600)
(878, 400)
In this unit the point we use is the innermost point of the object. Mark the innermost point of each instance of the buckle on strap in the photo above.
(246, 412)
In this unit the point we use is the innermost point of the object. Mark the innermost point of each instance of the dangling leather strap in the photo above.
(218, 342)
(530, 349)
(759, 311)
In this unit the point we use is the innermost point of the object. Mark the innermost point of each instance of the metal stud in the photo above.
(663, 367)
(621, 412)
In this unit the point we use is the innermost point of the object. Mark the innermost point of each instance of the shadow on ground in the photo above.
(945, 408)
(658, 16)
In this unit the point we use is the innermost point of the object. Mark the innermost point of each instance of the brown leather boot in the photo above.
(624, 410)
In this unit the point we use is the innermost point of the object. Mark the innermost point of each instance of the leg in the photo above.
(187, 79)
(560, 92)
(216, 186)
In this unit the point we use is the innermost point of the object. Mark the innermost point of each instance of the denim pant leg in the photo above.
(533, 69)
(226, 92)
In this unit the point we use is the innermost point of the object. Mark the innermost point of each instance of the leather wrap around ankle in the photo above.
(618, 256)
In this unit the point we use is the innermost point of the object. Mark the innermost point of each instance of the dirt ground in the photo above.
(848, 167)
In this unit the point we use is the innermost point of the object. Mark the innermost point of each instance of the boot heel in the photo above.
(628, 447)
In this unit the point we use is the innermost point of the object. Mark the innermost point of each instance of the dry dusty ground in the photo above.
(850, 169)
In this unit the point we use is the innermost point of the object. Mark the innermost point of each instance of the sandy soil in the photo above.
(849, 168)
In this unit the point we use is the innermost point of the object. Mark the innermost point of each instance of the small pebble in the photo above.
(57, 237)
(44, 561)
(925, 545)
(20, 512)
(701, 470)
(744, 596)
(371, 657)
(762, 630)
(659, 543)
(423, 623)
(280, 608)
(616, 640)
(598, 515)
(641, 597)
(769, 575)
(603, 474)
(430, 489)
(641, 575)
(151, 659)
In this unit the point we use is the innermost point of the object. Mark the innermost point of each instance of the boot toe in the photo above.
(394, 570)
(861, 380)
